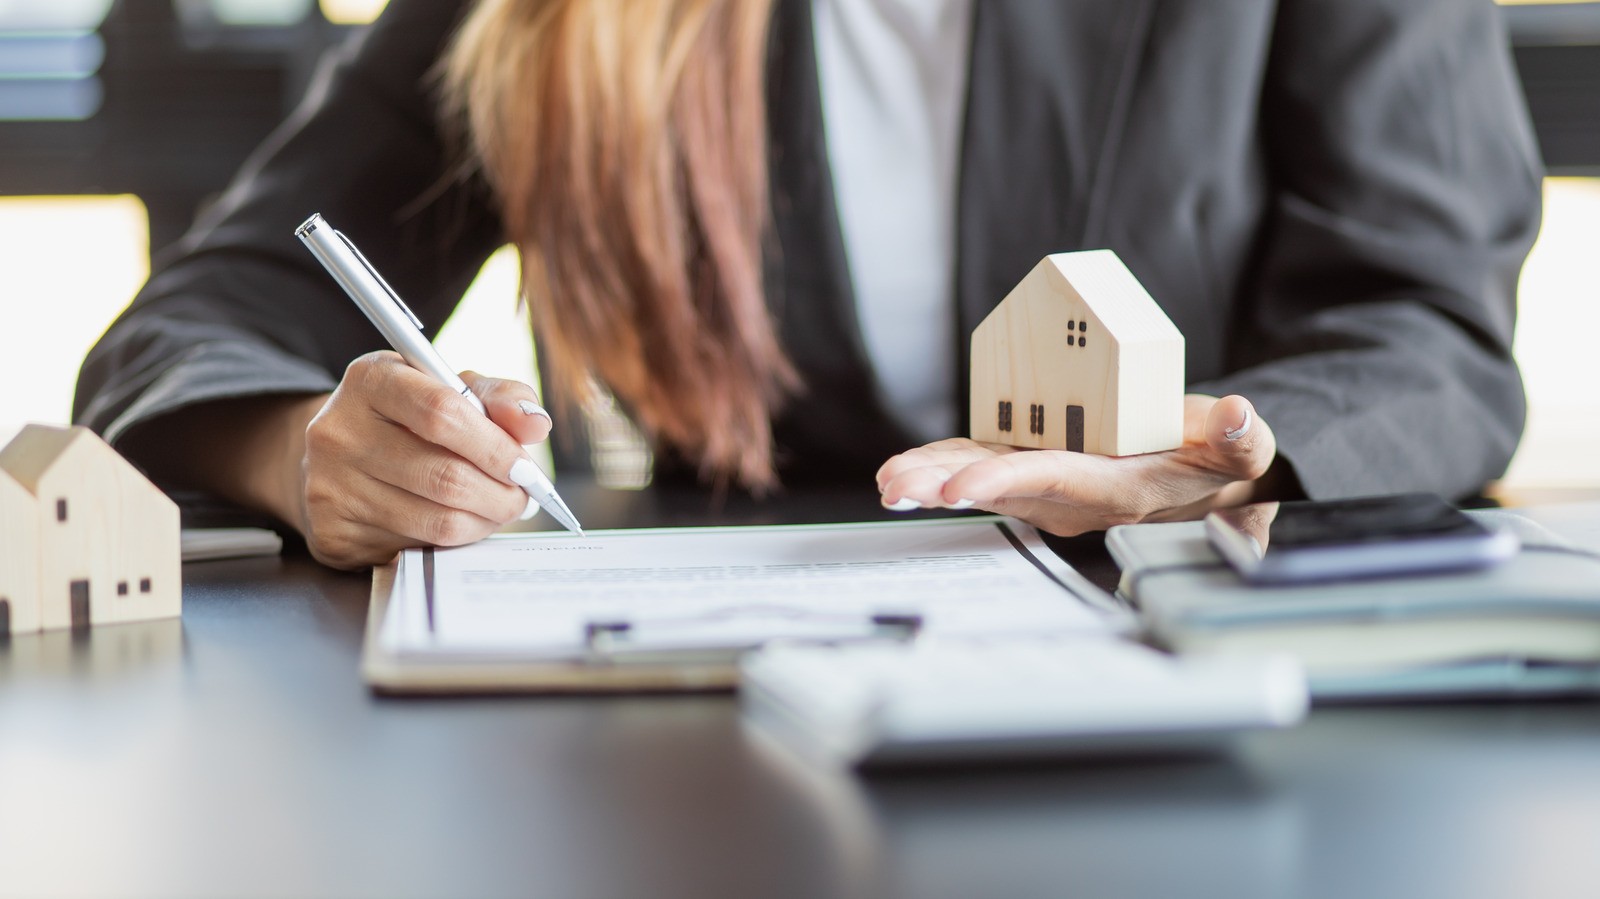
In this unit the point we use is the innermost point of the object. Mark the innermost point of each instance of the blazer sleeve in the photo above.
(238, 307)
(1405, 197)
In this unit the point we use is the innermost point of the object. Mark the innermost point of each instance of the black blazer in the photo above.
(1331, 198)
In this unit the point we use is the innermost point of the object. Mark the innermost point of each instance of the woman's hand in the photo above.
(1226, 449)
(395, 459)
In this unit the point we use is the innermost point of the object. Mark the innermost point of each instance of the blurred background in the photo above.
(120, 118)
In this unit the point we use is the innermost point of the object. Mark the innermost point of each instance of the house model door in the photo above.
(1075, 429)
(78, 596)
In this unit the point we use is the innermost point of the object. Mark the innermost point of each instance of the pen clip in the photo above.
(379, 278)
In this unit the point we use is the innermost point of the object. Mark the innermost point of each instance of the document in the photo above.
(551, 595)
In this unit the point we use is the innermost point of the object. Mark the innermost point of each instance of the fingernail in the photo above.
(532, 510)
(963, 504)
(1242, 429)
(530, 407)
(904, 504)
(523, 473)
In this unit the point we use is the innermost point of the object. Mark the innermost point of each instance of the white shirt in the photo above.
(893, 76)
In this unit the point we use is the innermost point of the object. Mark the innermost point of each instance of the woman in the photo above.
(768, 225)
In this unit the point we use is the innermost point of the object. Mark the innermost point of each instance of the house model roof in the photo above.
(1090, 356)
(1115, 296)
(34, 451)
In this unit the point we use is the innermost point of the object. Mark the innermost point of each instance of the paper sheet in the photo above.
(535, 595)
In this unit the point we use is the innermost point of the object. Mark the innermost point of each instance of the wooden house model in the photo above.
(1079, 357)
(87, 539)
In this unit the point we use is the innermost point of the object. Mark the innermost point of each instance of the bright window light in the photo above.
(1558, 318)
(72, 263)
(488, 332)
(352, 12)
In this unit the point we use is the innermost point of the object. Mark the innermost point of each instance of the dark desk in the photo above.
(238, 754)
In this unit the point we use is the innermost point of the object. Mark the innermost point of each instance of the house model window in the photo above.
(1123, 398)
(1077, 339)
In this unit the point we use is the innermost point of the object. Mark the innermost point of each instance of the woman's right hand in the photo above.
(394, 459)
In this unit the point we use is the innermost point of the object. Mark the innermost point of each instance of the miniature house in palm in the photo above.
(87, 539)
(1079, 357)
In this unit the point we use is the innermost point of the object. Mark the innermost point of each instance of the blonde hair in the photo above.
(626, 144)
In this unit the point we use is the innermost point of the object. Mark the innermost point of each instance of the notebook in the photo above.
(1531, 624)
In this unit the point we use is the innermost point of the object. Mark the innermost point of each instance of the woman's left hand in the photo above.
(1226, 450)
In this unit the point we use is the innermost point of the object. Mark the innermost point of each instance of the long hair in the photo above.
(625, 141)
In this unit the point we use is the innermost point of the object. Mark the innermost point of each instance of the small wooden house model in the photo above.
(19, 558)
(87, 539)
(1079, 357)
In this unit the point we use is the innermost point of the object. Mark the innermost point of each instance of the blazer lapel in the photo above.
(1048, 92)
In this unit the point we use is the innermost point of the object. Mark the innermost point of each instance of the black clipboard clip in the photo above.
(725, 634)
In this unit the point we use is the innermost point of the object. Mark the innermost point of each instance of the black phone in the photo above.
(1374, 536)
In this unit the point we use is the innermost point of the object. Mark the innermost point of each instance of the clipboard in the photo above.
(677, 649)
(385, 673)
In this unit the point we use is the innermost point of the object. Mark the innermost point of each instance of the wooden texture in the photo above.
(19, 558)
(1079, 331)
(95, 520)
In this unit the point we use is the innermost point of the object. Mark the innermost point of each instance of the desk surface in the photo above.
(237, 754)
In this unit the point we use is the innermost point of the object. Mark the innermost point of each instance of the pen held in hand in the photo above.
(384, 308)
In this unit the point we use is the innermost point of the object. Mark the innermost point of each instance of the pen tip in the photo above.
(564, 515)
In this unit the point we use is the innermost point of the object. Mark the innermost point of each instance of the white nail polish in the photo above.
(1242, 429)
(963, 504)
(904, 504)
(529, 407)
(531, 510)
(523, 473)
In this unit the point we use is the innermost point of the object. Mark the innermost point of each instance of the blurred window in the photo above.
(71, 264)
(50, 58)
(52, 15)
(251, 13)
(1557, 317)
(352, 12)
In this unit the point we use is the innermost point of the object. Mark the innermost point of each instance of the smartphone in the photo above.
(1375, 536)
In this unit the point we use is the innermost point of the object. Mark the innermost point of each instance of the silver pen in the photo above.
(404, 332)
